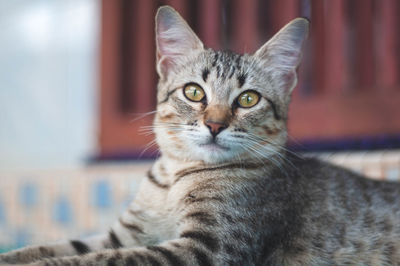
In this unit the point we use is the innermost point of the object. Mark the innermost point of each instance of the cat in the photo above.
(225, 190)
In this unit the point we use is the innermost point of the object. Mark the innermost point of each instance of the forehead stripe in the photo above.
(218, 71)
(205, 73)
(232, 72)
(242, 79)
(167, 97)
(215, 59)
(238, 60)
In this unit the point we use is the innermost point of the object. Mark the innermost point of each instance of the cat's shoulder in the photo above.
(312, 168)
(305, 163)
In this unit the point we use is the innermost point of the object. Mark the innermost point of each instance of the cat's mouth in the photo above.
(213, 146)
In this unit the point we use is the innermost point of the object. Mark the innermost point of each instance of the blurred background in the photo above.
(77, 78)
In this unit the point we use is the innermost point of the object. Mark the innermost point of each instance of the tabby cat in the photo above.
(225, 190)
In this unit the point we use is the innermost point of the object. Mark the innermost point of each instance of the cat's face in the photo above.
(220, 106)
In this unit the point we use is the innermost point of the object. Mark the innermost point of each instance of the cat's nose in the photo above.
(215, 127)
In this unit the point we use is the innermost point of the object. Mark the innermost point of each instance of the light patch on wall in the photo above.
(48, 83)
(35, 25)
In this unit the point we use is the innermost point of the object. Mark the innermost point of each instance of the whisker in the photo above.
(295, 141)
(265, 152)
(142, 115)
(148, 146)
(274, 152)
(260, 155)
(255, 137)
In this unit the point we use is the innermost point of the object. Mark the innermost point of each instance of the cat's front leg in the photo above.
(202, 239)
(65, 248)
(139, 225)
(128, 231)
(184, 251)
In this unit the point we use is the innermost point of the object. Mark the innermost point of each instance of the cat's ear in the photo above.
(281, 55)
(174, 39)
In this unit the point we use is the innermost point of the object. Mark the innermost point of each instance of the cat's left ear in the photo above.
(175, 40)
(281, 55)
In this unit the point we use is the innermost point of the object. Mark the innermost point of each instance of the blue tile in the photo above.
(28, 195)
(62, 211)
(2, 214)
(102, 194)
(22, 238)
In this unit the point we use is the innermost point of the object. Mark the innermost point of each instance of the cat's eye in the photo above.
(248, 99)
(194, 92)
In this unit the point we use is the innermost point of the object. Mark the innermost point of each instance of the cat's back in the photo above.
(346, 219)
(338, 187)
(305, 212)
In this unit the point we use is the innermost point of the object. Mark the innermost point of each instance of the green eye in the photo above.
(194, 92)
(248, 99)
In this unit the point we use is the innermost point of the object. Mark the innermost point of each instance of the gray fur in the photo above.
(238, 197)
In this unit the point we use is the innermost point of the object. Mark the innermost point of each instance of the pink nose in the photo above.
(215, 127)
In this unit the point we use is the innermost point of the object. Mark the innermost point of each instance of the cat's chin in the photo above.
(214, 147)
(214, 153)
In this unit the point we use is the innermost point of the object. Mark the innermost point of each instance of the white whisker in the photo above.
(152, 143)
(142, 115)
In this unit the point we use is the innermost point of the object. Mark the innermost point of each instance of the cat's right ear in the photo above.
(174, 40)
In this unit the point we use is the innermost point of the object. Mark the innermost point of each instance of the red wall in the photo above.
(349, 79)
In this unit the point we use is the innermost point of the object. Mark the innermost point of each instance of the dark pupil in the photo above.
(247, 98)
(194, 92)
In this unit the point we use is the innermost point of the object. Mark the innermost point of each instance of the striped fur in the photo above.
(236, 197)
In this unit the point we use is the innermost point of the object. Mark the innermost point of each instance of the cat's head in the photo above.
(219, 106)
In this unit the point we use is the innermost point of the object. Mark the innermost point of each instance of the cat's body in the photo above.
(225, 190)
(312, 213)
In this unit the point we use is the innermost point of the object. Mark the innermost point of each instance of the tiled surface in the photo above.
(49, 205)
(383, 165)
(37, 207)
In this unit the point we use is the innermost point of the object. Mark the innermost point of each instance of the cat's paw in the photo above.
(6, 259)
(3, 261)
(9, 261)
(12, 258)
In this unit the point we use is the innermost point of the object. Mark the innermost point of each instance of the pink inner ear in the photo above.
(168, 44)
(175, 40)
(166, 54)
(165, 64)
(288, 79)
(171, 50)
